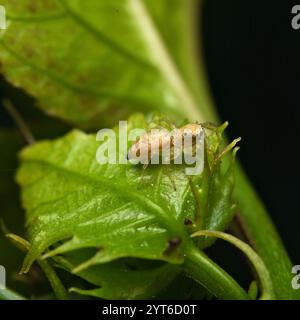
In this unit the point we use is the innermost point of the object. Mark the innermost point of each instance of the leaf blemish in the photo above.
(173, 244)
(187, 222)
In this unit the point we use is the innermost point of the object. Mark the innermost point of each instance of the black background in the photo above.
(253, 62)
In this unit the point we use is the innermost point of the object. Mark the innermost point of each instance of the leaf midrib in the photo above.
(164, 63)
(103, 38)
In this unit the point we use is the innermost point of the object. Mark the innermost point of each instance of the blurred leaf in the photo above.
(184, 288)
(6, 294)
(132, 279)
(90, 208)
(121, 56)
(51, 275)
(121, 279)
(11, 211)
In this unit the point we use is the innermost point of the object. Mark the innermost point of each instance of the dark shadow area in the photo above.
(252, 56)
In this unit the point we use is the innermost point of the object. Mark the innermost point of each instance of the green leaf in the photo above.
(103, 77)
(216, 204)
(73, 203)
(52, 277)
(123, 284)
(132, 279)
(122, 279)
(103, 72)
(11, 212)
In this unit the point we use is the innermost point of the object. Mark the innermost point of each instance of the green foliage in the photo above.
(110, 71)
(11, 211)
(92, 63)
(72, 203)
(256, 261)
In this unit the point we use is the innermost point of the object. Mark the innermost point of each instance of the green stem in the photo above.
(258, 264)
(199, 267)
(6, 294)
(263, 237)
(57, 286)
(254, 217)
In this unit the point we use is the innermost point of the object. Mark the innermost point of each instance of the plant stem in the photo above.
(254, 258)
(20, 123)
(199, 267)
(6, 294)
(263, 237)
(57, 286)
(256, 221)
